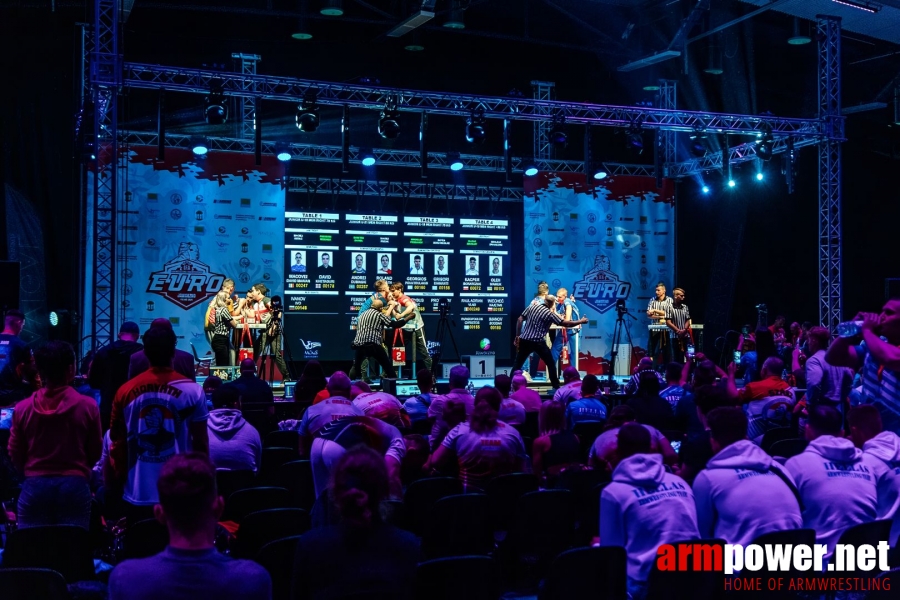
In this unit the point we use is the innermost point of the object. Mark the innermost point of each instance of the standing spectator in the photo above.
(644, 506)
(739, 479)
(183, 362)
(511, 411)
(825, 383)
(250, 387)
(459, 379)
(571, 388)
(417, 406)
(234, 444)
(649, 407)
(673, 391)
(588, 408)
(109, 369)
(752, 361)
(522, 394)
(14, 360)
(155, 416)
(839, 483)
(555, 448)
(55, 440)
(190, 567)
(311, 382)
(383, 558)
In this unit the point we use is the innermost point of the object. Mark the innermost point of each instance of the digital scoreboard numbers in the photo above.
(484, 253)
(371, 249)
(312, 241)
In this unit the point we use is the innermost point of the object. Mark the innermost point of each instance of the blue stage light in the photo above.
(759, 176)
(731, 183)
(367, 157)
(200, 146)
(705, 189)
(455, 162)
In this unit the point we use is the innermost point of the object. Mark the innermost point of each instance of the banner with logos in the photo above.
(603, 242)
(189, 224)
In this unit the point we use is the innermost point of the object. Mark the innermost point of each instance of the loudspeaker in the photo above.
(9, 285)
(891, 289)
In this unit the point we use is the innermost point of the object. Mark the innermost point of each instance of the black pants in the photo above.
(274, 344)
(540, 348)
(222, 349)
(423, 359)
(377, 352)
(660, 343)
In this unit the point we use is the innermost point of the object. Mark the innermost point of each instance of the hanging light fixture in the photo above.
(475, 132)
(714, 59)
(307, 118)
(798, 39)
(389, 122)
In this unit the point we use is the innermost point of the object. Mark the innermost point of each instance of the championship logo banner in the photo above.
(603, 243)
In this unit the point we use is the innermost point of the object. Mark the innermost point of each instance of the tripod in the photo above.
(621, 325)
(443, 327)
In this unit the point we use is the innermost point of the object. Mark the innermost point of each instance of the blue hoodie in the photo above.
(886, 447)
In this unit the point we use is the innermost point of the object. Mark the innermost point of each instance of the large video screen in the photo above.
(332, 260)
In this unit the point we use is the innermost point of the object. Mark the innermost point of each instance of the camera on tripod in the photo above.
(621, 309)
(444, 307)
(277, 307)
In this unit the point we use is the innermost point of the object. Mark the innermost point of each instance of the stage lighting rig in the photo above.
(698, 143)
(389, 122)
(529, 167)
(216, 108)
(282, 152)
(366, 157)
(455, 162)
(308, 113)
(475, 132)
(764, 143)
(634, 137)
(199, 145)
(558, 135)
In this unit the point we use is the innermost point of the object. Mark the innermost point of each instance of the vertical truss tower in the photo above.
(543, 149)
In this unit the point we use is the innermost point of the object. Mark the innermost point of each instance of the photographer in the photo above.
(268, 312)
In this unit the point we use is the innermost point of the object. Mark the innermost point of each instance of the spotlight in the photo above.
(475, 132)
(367, 157)
(600, 174)
(216, 109)
(764, 143)
(705, 189)
(529, 167)
(282, 152)
(455, 17)
(731, 183)
(333, 8)
(54, 318)
(308, 113)
(199, 145)
(760, 176)
(558, 135)
(798, 39)
(634, 138)
(455, 162)
(389, 122)
(714, 59)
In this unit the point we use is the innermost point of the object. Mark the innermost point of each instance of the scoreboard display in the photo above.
(332, 260)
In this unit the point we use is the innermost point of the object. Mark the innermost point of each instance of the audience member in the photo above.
(555, 448)
(752, 361)
(571, 387)
(109, 369)
(417, 406)
(512, 412)
(843, 489)
(190, 567)
(696, 449)
(382, 406)
(825, 383)
(454, 414)
(522, 394)
(603, 451)
(459, 379)
(417, 452)
(15, 360)
(588, 408)
(645, 364)
(12, 348)
(155, 416)
(647, 404)
(183, 362)
(503, 384)
(336, 406)
(485, 446)
(673, 391)
(54, 442)
(738, 480)
(362, 556)
(312, 381)
(769, 383)
(644, 506)
(251, 388)
(234, 444)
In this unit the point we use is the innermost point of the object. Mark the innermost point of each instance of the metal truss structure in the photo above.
(397, 189)
(667, 101)
(828, 31)
(247, 105)
(543, 91)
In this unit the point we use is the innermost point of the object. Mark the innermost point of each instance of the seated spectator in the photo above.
(696, 449)
(512, 412)
(382, 406)
(183, 362)
(825, 383)
(648, 406)
(483, 448)
(769, 384)
(644, 365)
(571, 387)
(839, 484)
(234, 444)
(336, 406)
(588, 408)
(674, 391)
(210, 385)
(54, 441)
(190, 567)
(454, 414)
(704, 374)
(743, 493)
(417, 406)
(459, 379)
(417, 453)
(866, 433)
(556, 448)
(362, 556)
(603, 451)
(311, 383)
(752, 361)
(250, 387)
(522, 394)
(358, 387)
(634, 515)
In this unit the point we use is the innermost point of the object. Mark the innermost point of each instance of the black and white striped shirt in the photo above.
(538, 319)
(679, 315)
(664, 305)
(222, 318)
(370, 327)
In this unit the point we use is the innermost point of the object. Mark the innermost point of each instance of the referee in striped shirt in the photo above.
(370, 326)
(538, 317)
(679, 321)
(659, 310)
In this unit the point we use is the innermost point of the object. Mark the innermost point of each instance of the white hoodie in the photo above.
(886, 447)
(645, 507)
(739, 497)
(839, 485)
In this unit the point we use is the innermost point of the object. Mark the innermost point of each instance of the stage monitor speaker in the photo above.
(9, 291)
(401, 388)
(891, 288)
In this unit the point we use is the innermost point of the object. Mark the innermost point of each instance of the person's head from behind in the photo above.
(359, 387)
(645, 364)
(159, 346)
(129, 331)
(673, 372)
(589, 386)
(503, 384)
(727, 425)
(377, 304)
(552, 418)
(571, 374)
(248, 367)
(416, 456)
(704, 374)
(55, 362)
(188, 502)
(648, 384)
(823, 420)
(14, 321)
(619, 416)
(765, 344)
(454, 412)
(459, 377)
(864, 422)
(772, 367)
(313, 371)
(211, 384)
(709, 397)
(632, 439)
(359, 482)
(339, 385)
(487, 407)
(226, 397)
(819, 338)
(519, 381)
(425, 380)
